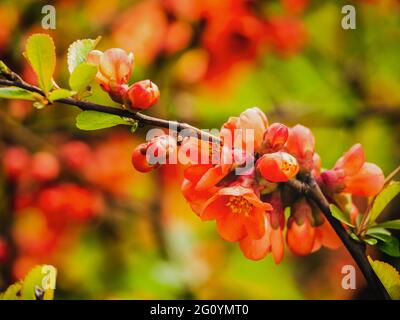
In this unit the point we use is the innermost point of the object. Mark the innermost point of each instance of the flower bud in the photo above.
(301, 234)
(277, 167)
(143, 95)
(150, 155)
(139, 159)
(301, 144)
(275, 137)
(368, 182)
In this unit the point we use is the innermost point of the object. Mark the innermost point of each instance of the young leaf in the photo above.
(82, 76)
(391, 247)
(40, 278)
(16, 93)
(371, 241)
(60, 94)
(93, 120)
(41, 54)
(391, 224)
(13, 292)
(382, 200)
(78, 52)
(341, 216)
(389, 277)
(381, 237)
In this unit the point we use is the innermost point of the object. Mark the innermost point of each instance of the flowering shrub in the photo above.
(260, 182)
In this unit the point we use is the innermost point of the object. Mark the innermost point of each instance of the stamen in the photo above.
(239, 205)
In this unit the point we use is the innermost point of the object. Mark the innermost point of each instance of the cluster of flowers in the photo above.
(249, 208)
(48, 202)
(248, 205)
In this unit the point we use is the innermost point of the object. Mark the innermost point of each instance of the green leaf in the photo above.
(389, 277)
(60, 94)
(39, 278)
(376, 230)
(41, 54)
(13, 292)
(82, 76)
(341, 216)
(78, 52)
(93, 120)
(391, 224)
(382, 237)
(382, 200)
(391, 246)
(371, 241)
(16, 93)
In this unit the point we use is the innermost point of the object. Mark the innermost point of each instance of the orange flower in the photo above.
(327, 237)
(248, 128)
(353, 175)
(211, 163)
(277, 167)
(301, 234)
(238, 212)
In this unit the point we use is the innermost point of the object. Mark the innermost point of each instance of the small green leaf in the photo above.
(380, 234)
(391, 224)
(13, 292)
(78, 52)
(41, 54)
(389, 277)
(60, 94)
(341, 216)
(371, 241)
(382, 237)
(391, 247)
(82, 76)
(382, 200)
(93, 120)
(41, 277)
(16, 93)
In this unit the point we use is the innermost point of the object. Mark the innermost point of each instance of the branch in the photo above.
(311, 189)
(140, 117)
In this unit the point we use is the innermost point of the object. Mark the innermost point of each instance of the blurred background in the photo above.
(114, 233)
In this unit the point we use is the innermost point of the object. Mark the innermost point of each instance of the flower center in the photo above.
(239, 205)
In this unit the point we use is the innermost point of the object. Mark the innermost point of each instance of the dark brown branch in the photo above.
(140, 117)
(310, 188)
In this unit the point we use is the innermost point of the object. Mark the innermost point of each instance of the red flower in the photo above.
(353, 175)
(301, 234)
(277, 167)
(238, 212)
